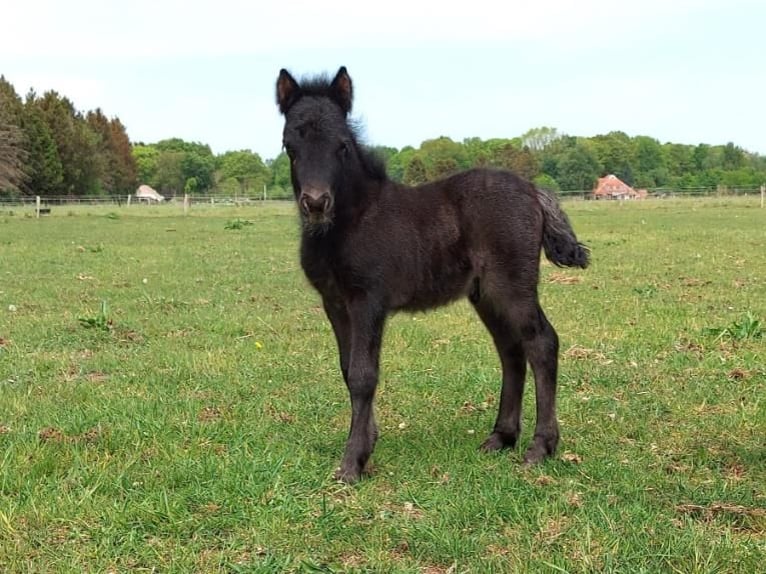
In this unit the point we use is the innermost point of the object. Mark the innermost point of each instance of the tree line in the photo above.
(49, 148)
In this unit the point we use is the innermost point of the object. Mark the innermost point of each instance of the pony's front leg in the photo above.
(367, 320)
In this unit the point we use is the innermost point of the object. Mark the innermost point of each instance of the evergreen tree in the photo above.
(43, 163)
(12, 152)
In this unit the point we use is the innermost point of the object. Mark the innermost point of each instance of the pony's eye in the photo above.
(343, 149)
(290, 152)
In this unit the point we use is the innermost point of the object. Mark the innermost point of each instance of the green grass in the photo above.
(170, 402)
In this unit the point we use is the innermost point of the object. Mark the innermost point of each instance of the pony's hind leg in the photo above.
(541, 346)
(514, 364)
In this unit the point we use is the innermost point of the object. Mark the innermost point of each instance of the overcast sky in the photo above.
(677, 70)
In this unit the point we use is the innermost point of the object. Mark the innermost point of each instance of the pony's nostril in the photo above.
(311, 203)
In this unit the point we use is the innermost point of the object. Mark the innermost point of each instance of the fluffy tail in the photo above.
(559, 241)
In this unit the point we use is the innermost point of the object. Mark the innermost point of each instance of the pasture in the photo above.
(170, 401)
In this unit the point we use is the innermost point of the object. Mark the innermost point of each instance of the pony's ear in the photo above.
(287, 90)
(342, 90)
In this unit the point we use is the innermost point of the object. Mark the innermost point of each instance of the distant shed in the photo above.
(612, 187)
(146, 193)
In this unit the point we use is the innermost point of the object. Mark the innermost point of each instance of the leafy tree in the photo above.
(679, 159)
(477, 152)
(246, 168)
(614, 152)
(199, 166)
(280, 172)
(578, 168)
(415, 172)
(169, 177)
(650, 162)
(701, 156)
(537, 139)
(196, 160)
(442, 157)
(146, 158)
(397, 164)
(191, 185)
(520, 161)
(546, 182)
(733, 157)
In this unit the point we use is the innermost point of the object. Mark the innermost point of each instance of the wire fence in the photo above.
(45, 203)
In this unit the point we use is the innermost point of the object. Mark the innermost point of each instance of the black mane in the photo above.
(374, 165)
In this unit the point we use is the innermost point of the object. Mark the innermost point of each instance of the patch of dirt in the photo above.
(750, 521)
(96, 377)
(90, 436)
(574, 499)
(720, 508)
(544, 480)
(129, 336)
(440, 476)
(209, 414)
(438, 569)
(4, 342)
(277, 415)
(562, 278)
(469, 407)
(694, 282)
(210, 508)
(497, 550)
(735, 471)
(686, 346)
(59, 535)
(51, 434)
(409, 509)
(676, 468)
(577, 352)
(54, 435)
(179, 333)
(571, 457)
(352, 560)
(739, 374)
(552, 530)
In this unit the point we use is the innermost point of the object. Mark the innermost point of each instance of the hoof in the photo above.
(347, 476)
(536, 454)
(497, 441)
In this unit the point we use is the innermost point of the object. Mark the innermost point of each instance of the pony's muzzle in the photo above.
(315, 202)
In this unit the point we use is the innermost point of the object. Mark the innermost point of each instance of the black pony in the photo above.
(371, 246)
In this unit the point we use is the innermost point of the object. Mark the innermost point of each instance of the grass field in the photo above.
(170, 402)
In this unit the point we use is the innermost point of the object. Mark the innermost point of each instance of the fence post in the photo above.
(37, 206)
(130, 195)
(763, 193)
(186, 203)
